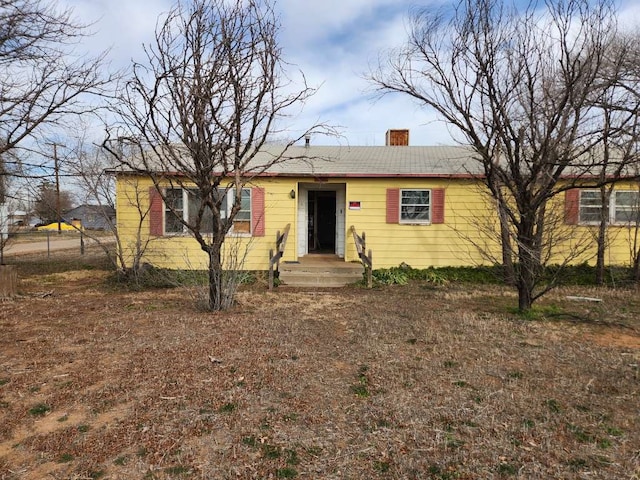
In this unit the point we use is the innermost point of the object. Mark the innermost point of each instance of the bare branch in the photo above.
(212, 96)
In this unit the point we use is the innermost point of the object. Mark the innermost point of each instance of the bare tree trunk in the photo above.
(215, 278)
(3, 183)
(602, 246)
(529, 263)
(525, 292)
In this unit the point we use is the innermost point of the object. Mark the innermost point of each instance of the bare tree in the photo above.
(50, 204)
(633, 240)
(42, 76)
(517, 86)
(92, 169)
(617, 103)
(213, 94)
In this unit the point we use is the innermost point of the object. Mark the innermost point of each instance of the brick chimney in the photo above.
(395, 137)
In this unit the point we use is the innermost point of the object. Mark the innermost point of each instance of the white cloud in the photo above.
(119, 25)
(332, 42)
(628, 14)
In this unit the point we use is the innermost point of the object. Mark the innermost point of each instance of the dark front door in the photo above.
(322, 221)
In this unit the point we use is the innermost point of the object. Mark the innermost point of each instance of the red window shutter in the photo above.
(257, 211)
(437, 205)
(393, 205)
(572, 206)
(155, 212)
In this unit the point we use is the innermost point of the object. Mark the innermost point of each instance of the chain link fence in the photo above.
(49, 243)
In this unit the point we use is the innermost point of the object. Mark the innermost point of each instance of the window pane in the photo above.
(415, 213)
(224, 205)
(172, 223)
(627, 199)
(590, 197)
(627, 210)
(590, 206)
(173, 210)
(627, 216)
(590, 214)
(241, 226)
(195, 201)
(173, 199)
(244, 214)
(245, 207)
(420, 197)
(415, 205)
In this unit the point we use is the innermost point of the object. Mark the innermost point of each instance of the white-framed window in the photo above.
(624, 207)
(590, 206)
(184, 203)
(415, 206)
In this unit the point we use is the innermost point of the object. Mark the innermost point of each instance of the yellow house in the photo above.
(424, 206)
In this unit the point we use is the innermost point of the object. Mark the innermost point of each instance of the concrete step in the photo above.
(322, 269)
(319, 279)
(319, 272)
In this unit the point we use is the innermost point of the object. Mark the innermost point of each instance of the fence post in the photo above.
(48, 245)
(81, 243)
(8, 281)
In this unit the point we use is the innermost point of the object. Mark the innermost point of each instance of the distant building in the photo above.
(17, 218)
(92, 217)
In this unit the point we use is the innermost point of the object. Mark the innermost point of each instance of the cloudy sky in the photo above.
(332, 41)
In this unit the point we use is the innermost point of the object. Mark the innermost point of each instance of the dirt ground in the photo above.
(412, 382)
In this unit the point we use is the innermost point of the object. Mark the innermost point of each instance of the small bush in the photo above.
(286, 472)
(177, 470)
(65, 458)
(271, 451)
(361, 389)
(39, 410)
(390, 276)
(227, 408)
(404, 273)
(582, 275)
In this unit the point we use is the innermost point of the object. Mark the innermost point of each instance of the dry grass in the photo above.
(404, 382)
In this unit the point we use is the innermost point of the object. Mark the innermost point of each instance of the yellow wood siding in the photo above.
(417, 245)
(181, 250)
(467, 213)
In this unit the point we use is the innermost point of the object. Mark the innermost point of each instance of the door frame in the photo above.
(302, 216)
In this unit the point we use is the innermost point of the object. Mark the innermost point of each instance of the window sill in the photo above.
(609, 224)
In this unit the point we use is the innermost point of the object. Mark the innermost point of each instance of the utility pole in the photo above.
(56, 169)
